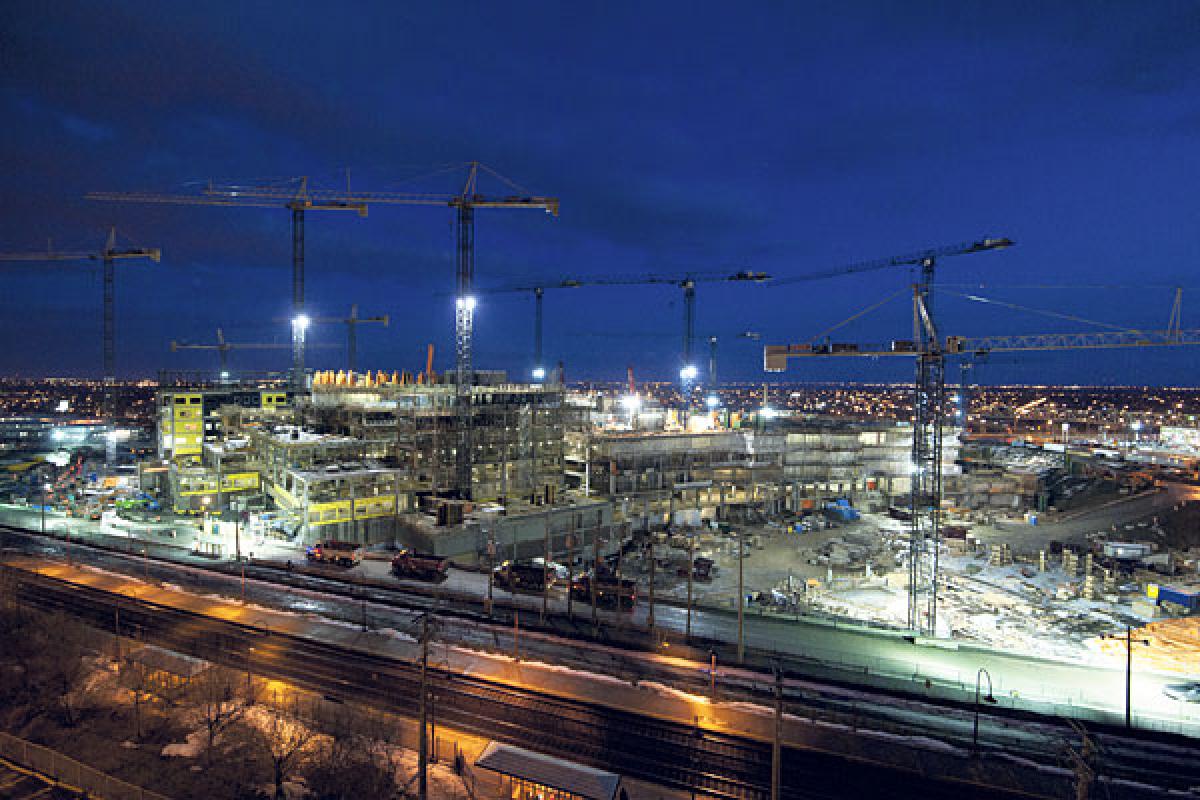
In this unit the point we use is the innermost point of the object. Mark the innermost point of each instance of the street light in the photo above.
(689, 373)
(539, 373)
(988, 698)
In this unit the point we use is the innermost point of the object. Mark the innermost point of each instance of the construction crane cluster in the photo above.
(299, 197)
(688, 370)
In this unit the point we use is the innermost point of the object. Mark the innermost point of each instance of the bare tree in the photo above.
(214, 694)
(136, 677)
(55, 669)
(353, 760)
(282, 740)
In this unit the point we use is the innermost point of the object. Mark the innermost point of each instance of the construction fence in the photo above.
(69, 772)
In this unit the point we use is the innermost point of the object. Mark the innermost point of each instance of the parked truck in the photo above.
(523, 576)
(421, 566)
(609, 590)
(331, 551)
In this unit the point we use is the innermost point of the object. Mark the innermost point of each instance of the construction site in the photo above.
(915, 522)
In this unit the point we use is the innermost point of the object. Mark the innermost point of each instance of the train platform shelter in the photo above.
(526, 775)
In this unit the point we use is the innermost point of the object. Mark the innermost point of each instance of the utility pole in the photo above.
(595, 576)
(570, 542)
(741, 600)
(650, 614)
(491, 551)
(545, 565)
(423, 751)
(691, 571)
(777, 743)
(1128, 676)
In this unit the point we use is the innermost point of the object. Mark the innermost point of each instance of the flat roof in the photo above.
(566, 776)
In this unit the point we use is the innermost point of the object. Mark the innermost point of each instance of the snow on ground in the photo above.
(193, 747)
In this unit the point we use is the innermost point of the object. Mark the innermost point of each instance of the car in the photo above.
(1184, 692)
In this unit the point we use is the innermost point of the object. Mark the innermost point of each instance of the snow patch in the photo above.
(192, 748)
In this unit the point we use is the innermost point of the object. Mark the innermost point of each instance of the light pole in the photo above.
(989, 698)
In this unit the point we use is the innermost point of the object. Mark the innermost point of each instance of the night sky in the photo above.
(786, 138)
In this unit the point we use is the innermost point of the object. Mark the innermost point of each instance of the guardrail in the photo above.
(69, 773)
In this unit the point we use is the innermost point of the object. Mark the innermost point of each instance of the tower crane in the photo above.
(223, 347)
(539, 292)
(352, 322)
(298, 196)
(688, 370)
(929, 406)
(712, 361)
(108, 258)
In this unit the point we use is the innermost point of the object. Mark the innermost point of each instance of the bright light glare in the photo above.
(539, 373)
(766, 412)
(631, 402)
(713, 401)
(301, 323)
(689, 373)
(1137, 426)
(224, 376)
(63, 406)
(467, 303)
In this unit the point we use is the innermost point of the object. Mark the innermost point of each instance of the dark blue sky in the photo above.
(781, 137)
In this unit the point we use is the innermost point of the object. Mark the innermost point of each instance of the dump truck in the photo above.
(609, 590)
(344, 554)
(422, 566)
(523, 576)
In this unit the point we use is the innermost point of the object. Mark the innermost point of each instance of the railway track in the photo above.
(1161, 761)
(636, 745)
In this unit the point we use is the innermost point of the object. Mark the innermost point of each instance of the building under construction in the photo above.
(354, 455)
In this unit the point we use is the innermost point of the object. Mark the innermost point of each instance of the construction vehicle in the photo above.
(610, 590)
(523, 576)
(331, 551)
(421, 566)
